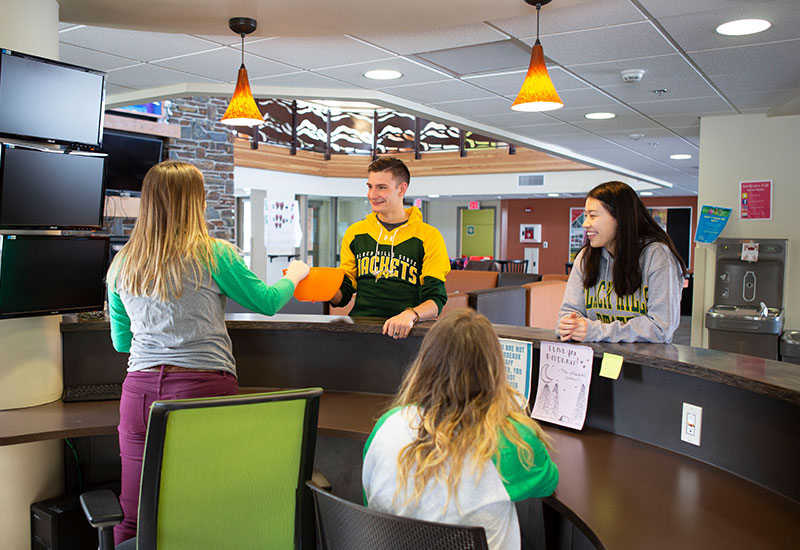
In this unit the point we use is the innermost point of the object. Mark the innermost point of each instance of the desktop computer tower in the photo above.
(59, 524)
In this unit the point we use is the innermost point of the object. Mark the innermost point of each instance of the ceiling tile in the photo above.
(660, 8)
(508, 84)
(317, 52)
(223, 64)
(697, 31)
(698, 105)
(657, 144)
(585, 98)
(574, 17)
(417, 41)
(753, 68)
(303, 79)
(476, 107)
(581, 143)
(656, 68)
(413, 73)
(624, 123)
(516, 118)
(605, 44)
(139, 45)
(764, 101)
(113, 89)
(480, 58)
(232, 39)
(92, 59)
(637, 92)
(544, 132)
(150, 76)
(678, 121)
(437, 92)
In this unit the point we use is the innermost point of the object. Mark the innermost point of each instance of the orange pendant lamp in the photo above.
(242, 110)
(537, 92)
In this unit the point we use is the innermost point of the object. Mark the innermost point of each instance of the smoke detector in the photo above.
(632, 75)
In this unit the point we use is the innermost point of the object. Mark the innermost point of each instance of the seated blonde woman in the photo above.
(457, 447)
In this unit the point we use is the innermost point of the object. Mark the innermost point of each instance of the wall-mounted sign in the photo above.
(470, 230)
(418, 203)
(755, 200)
(474, 205)
(530, 233)
(711, 222)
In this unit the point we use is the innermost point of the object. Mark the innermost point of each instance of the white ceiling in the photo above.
(463, 61)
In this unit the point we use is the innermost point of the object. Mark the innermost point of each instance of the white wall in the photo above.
(577, 181)
(741, 148)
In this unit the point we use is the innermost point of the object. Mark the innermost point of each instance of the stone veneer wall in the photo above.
(207, 144)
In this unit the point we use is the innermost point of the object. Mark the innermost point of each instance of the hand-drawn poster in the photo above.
(577, 234)
(518, 356)
(565, 372)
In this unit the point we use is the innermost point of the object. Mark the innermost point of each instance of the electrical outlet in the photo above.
(691, 423)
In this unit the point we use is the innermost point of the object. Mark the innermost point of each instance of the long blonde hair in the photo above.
(170, 236)
(458, 384)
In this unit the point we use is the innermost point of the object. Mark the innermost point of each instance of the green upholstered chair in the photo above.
(223, 472)
(343, 525)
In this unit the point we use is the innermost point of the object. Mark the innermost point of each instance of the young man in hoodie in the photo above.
(394, 262)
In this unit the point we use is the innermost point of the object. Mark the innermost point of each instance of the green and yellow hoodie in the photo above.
(393, 270)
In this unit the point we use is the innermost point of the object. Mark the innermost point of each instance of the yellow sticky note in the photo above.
(611, 365)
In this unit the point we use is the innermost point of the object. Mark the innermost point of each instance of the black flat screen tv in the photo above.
(130, 156)
(47, 275)
(46, 100)
(50, 189)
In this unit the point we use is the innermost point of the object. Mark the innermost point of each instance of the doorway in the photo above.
(476, 233)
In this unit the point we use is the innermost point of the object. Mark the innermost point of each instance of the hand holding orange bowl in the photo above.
(320, 285)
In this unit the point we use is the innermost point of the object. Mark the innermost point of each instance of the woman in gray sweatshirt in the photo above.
(626, 283)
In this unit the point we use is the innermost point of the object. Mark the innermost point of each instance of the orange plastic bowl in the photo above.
(320, 285)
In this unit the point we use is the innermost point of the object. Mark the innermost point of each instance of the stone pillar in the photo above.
(207, 144)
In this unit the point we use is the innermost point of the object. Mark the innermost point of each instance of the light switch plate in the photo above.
(691, 423)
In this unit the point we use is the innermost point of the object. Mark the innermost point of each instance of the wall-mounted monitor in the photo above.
(52, 189)
(46, 100)
(130, 156)
(47, 275)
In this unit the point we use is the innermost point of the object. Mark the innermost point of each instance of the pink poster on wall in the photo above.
(755, 200)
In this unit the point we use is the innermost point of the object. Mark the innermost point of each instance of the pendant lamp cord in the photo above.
(537, 33)
(538, 7)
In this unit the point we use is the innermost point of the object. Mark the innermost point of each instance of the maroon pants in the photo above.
(139, 391)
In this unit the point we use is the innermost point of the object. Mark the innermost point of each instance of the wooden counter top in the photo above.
(774, 379)
(621, 493)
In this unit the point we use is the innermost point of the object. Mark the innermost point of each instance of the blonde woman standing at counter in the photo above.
(167, 290)
(626, 283)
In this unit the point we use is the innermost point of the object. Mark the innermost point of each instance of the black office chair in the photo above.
(343, 525)
(515, 266)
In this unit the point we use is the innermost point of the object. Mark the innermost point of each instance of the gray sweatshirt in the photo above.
(651, 314)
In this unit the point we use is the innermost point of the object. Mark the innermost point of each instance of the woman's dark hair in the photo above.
(636, 229)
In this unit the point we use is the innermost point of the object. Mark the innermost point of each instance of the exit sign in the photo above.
(418, 203)
(474, 205)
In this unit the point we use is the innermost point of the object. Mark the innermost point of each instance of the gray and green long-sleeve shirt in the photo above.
(190, 331)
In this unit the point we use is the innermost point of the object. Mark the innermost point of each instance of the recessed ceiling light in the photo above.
(553, 195)
(743, 27)
(433, 196)
(599, 116)
(383, 74)
(680, 157)
(646, 193)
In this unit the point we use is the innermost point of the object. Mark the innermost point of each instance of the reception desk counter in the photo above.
(627, 480)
